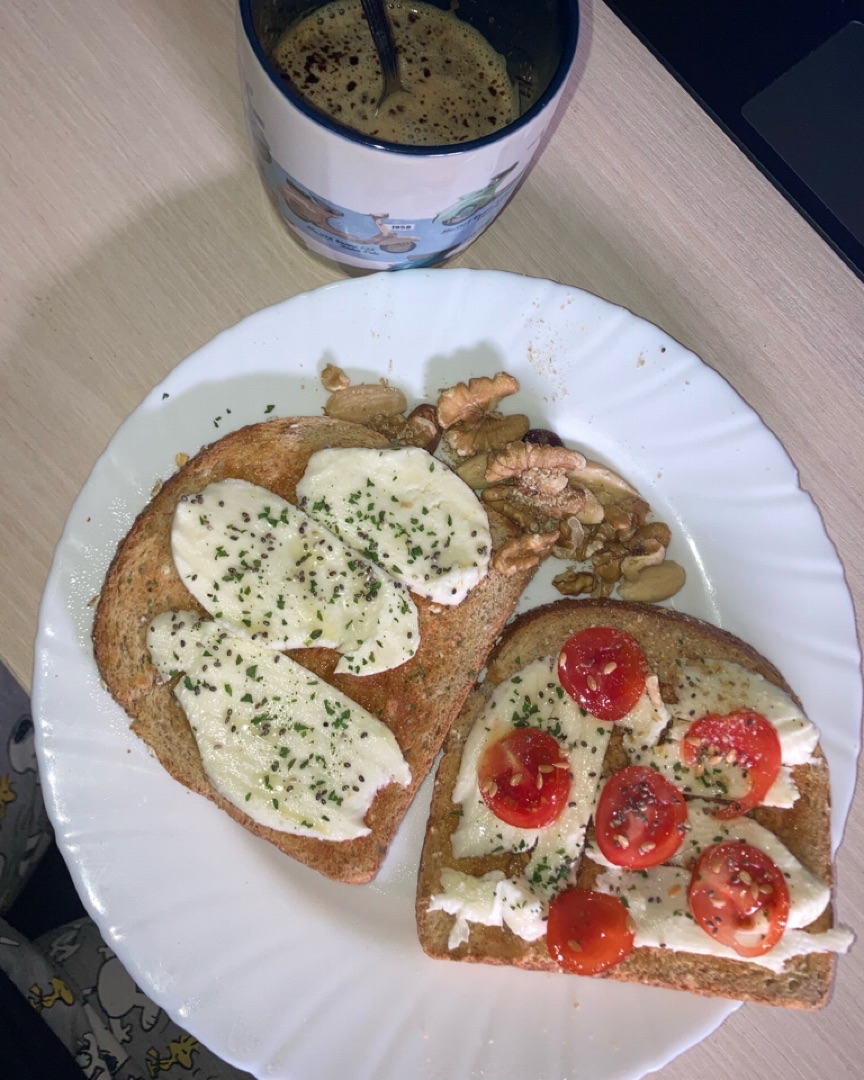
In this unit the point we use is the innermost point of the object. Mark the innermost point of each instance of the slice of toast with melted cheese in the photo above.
(671, 642)
(417, 700)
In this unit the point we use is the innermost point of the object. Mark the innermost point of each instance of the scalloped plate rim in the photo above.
(542, 311)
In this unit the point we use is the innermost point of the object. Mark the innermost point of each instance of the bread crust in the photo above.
(665, 637)
(418, 700)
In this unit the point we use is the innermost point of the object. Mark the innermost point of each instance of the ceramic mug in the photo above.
(373, 205)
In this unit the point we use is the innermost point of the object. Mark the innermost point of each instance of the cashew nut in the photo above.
(604, 482)
(361, 403)
(654, 583)
(592, 513)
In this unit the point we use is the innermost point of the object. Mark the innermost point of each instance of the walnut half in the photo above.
(529, 484)
(518, 458)
(468, 414)
(472, 400)
(523, 552)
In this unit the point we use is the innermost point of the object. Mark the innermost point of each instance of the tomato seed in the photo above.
(622, 841)
(592, 682)
(539, 781)
(516, 779)
(648, 846)
(546, 768)
(675, 890)
(574, 945)
(610, 667)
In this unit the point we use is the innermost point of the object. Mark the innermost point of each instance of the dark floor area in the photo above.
(49, 898)
(29, 1050)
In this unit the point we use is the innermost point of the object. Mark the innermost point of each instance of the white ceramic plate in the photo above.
(289, 975)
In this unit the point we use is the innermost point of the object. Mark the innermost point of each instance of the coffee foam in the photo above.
(458, 84)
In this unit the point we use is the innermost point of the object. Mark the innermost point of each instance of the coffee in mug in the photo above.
(399, 189)
(457, 86)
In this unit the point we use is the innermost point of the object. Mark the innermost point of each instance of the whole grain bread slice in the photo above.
(666, 638)
(418, 700)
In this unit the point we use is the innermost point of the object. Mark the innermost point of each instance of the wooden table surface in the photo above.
(133, 229)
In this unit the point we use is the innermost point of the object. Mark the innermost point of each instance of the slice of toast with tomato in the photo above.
(667, 641)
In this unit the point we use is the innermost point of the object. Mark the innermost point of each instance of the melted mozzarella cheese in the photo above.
(267, 571)
(656, 900)
(289, 750)
(717, 686)
(407, 512)
(808, 895)
(532, 698)
(491, 900)
(647, 720)
(470, 899)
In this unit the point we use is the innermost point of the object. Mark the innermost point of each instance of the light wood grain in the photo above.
(132, 229)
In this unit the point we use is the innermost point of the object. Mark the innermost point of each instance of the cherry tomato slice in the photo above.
(743, 738)
(588, 932)
(640, 818)
(603, 670)
(739, 896)
(524, 778)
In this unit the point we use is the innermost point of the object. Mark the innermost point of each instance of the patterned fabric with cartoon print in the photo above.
(68, 975)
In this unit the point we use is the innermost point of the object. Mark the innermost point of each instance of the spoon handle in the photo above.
(382, 36)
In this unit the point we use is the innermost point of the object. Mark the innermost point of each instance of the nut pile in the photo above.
(565, 504)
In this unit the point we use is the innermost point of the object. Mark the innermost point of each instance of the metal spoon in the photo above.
(382, 36)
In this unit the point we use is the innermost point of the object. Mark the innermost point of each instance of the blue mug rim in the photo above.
(556, 82)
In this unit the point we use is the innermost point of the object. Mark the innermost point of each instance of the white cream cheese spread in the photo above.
(270, 573)
(285, 747)
(406, 512)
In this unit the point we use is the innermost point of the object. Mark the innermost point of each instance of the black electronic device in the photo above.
(785, 80)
